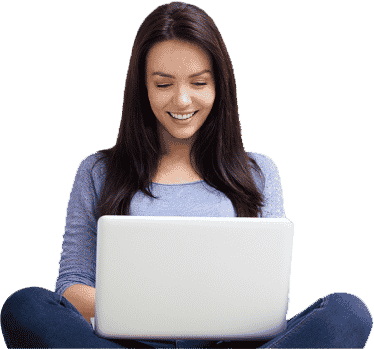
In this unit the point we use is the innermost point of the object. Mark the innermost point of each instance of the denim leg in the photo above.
(340, 320)
(35, 317)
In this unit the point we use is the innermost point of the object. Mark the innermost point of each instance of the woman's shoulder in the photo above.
(93, 164)
(268, 168)
(264, 161)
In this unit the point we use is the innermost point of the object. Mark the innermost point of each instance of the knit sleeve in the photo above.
(272, 190)
(78, 257)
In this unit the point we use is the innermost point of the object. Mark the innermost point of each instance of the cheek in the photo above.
(208, 97)
(156, 98)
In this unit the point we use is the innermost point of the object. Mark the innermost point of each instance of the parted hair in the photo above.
(218, 152)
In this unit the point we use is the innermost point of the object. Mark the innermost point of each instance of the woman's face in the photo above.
(180, 92)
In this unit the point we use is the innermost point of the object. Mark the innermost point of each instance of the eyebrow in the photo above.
(173, 77)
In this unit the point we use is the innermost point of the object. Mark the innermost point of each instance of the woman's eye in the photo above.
(197, 83)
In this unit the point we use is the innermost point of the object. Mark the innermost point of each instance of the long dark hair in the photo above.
(218, 151)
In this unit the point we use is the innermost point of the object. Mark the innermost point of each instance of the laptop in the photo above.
(191, 278)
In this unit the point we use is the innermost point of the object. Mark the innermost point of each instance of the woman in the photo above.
(179, 69)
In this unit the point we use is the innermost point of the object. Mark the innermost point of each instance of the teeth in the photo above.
(181, 117)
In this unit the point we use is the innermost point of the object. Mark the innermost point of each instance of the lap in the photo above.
(49, 319)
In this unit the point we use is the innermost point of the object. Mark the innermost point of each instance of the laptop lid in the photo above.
(187, 278)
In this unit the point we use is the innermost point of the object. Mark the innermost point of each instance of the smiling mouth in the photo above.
(194, 113)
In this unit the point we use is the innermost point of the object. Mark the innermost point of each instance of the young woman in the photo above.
(179, 139)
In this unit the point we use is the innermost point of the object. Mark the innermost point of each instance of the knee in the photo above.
(21, 298)
(355, 305)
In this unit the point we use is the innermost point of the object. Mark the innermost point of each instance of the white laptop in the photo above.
(190, 278)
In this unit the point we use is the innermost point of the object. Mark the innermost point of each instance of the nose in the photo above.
(182, 97)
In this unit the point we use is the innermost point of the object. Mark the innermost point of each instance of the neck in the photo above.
(175, 149)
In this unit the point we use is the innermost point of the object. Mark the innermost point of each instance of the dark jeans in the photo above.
(35, 317)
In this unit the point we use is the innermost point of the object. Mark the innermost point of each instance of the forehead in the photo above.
(176, 56)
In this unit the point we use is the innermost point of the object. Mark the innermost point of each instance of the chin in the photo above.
(182, 137)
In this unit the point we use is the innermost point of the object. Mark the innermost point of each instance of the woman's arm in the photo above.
(83, 298)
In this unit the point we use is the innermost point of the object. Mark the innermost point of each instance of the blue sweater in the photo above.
(196, 199)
